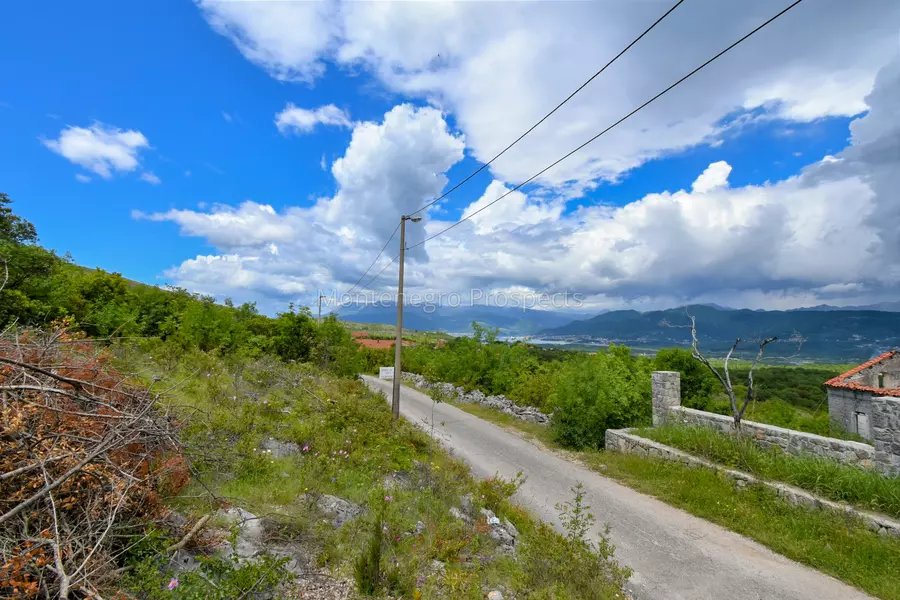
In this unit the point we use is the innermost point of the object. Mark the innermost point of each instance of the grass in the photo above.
(355, 451)
(860, 487)
(836, 544)
(777, 412)
(833, 543)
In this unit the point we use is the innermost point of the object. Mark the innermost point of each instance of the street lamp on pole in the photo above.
(395, 399)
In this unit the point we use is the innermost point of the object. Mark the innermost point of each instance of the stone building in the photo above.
(850, 395)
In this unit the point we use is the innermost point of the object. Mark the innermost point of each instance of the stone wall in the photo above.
(621, 440)
(792, 442)
(666, 393)
(499, 402)
(885, 373)
(843, 406)
(886, 434)
(890, 369)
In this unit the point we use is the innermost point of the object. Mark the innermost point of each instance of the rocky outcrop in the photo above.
(500, 402)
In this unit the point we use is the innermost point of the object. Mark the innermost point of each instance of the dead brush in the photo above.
(83, 453)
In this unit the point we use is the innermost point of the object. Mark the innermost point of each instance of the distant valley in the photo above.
(832, 334)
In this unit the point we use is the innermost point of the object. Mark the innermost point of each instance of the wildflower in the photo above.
(306, 448)
(173, 583)
(388, 498)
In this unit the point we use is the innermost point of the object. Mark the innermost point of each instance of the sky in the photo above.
(264, 150)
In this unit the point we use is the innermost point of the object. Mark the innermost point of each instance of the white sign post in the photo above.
(385, 372)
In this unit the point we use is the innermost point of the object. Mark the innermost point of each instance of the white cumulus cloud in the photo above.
(715, 176)
(498, 67)
(387, 170)
(304, 120)
(101, 149)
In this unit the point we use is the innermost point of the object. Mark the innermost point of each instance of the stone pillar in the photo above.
(666, 393)
(885, 426)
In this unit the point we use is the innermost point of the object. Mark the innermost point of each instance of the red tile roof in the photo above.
(359, 334)
(841, 380)
(375, 343)
(380, 343)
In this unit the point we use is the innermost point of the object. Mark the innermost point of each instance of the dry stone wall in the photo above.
(500, 402)
(667, 407)
(886, 434)
(621, 440)
(789, 440)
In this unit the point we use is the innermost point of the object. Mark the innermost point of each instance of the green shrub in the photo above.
(216, 578)
(495, 491)
(561, 569)
(594, 393)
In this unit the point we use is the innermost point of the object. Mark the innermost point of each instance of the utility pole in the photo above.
(395, 399)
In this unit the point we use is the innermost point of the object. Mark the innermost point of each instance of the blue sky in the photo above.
(204, 82)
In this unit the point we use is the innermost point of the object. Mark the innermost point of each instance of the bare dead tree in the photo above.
(724, 376)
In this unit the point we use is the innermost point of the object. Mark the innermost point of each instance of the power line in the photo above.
(558, 106)
(380, 252)
(521, 137)
(377, 275)
(626, 117)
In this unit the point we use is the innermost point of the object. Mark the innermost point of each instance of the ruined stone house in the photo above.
(850, 394)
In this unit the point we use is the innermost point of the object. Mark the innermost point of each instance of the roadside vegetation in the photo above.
(864, 488)
(837, 544)
(833, 543)
(590, 392)
(405, 542)
(148, 433)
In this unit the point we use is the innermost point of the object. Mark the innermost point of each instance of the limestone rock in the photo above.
(249, 531)
(279, 449)
(338, 509)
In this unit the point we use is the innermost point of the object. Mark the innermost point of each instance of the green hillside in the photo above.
(838, 336)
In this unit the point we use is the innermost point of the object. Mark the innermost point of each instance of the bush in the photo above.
(594, 393)
(496, 490)
(698, 384)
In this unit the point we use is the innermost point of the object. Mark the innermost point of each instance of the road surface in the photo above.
(673, 554)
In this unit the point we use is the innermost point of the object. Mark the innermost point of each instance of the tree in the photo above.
(607, 390)
(724, 377)
(697, 383)
(14, 229)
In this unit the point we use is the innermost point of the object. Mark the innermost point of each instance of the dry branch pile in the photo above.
(84, 454)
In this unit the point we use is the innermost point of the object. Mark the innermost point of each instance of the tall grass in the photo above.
(828, 478)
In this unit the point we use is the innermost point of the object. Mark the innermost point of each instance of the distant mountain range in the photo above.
(835, 334)
(882, 306)
(844, 335)
(510, 321)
